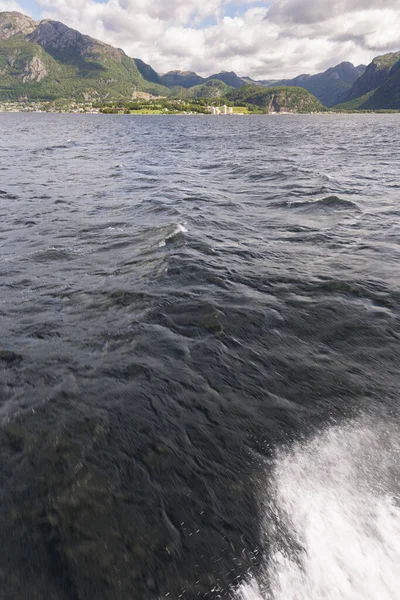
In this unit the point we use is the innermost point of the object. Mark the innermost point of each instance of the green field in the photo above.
(240, 109)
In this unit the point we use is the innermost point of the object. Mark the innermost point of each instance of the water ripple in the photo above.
(181, 299)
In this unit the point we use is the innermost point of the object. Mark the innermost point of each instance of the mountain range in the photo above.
(46, 60)
(379, 86)
(331, 87)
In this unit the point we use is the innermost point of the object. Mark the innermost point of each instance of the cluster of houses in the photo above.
(224, 110)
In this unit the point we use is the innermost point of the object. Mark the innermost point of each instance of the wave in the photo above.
(54, 253)
(334, 202)
(176, 231)
(7, 196)
(332, 518)
(51, 148)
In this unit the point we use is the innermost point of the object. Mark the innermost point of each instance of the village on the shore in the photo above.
(148, 107)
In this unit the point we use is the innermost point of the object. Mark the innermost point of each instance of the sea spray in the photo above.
(332, 518)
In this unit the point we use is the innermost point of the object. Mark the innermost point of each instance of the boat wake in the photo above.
(332, 518)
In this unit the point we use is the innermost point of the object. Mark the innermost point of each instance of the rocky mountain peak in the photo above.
(57, 36)
(14, 23)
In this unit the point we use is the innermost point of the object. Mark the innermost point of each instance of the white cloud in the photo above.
(274, 39)
(6, 5)
(317, 11)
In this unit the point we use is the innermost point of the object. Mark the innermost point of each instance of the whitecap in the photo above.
(332, 518)
(178, 229)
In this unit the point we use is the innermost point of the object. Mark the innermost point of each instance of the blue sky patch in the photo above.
(235, 8)
(232, 9)
(31, 8)
(238, 9)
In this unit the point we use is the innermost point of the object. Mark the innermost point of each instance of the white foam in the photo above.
(180, 229)
(332, 517)
(176, 231)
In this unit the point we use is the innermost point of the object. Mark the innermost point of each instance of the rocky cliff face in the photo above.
(57, 38)
(375, 75)
(53, 35)
(291, 102)
(14, 23)
(34, 70)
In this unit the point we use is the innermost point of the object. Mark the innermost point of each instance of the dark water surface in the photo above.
(200, 324)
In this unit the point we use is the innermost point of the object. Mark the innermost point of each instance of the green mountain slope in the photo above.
(387, 96)
(48, 60)
(375, 75)
(277, 99)
(378, 88)
(354, 104)
(184, 79)
(147, 71)
(212, 89)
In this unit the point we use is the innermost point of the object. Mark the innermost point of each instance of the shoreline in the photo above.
(163, 114)
(172, 109)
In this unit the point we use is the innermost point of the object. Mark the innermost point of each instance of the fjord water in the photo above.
(199, 357)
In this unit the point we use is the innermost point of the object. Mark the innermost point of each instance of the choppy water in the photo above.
(199, 351)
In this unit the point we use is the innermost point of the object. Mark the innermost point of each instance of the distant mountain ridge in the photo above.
(188, 79)
(48, 60)
(332, 86)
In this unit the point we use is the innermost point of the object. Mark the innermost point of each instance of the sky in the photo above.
(262, 39)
